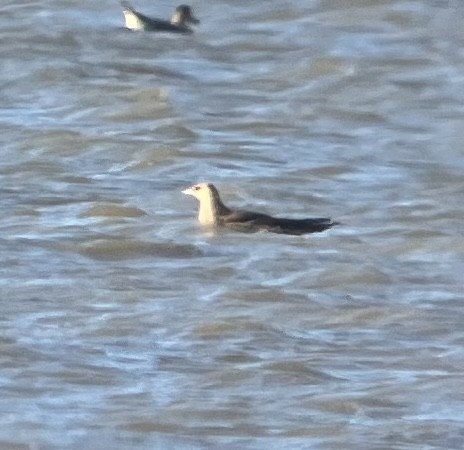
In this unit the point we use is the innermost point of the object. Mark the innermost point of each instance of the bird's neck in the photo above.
(211, 210)
(177, 19)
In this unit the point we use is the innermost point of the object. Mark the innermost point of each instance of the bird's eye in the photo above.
(195, 188)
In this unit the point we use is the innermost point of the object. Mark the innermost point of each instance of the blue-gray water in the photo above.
(125, 326)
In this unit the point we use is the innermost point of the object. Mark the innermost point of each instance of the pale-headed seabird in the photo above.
(214, 213)
(179, 23)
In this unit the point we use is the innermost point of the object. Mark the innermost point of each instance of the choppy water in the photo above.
(124, 325)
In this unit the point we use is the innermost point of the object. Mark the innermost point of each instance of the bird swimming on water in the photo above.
(180, 20)
(214, 213)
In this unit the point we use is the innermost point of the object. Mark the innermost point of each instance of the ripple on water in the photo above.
(121, 248)
(112, 210)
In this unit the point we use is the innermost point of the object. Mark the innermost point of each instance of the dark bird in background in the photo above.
(214, 213)
(180, 20)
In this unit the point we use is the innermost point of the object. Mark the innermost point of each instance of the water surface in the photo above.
(124, 325)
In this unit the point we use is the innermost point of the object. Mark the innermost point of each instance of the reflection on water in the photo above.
(126, 326)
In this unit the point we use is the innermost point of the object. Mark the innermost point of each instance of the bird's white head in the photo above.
(199, 191)
(210, 203)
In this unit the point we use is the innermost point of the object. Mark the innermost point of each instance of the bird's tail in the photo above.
(303, 226)
(128, 6)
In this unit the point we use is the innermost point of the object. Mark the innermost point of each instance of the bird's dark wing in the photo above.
(247, 221)
(301, 226)
(239, 215)
(251, 221)
(164, 25)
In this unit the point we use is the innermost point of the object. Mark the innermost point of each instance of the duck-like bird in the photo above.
(214, 213)
(180, 20)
